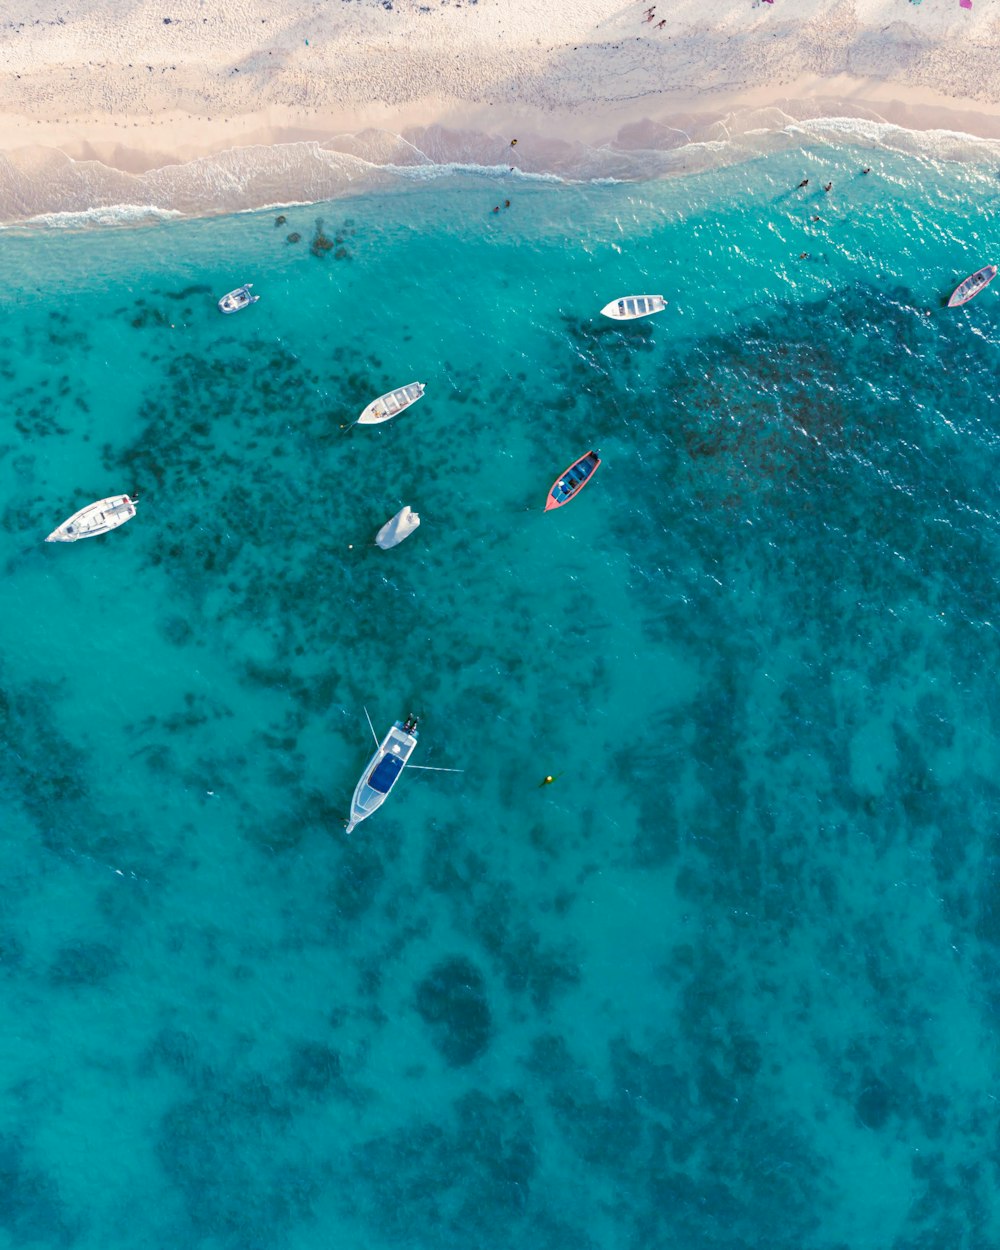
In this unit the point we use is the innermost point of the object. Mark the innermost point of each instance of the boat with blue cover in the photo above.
(383, 770)
(572, 480)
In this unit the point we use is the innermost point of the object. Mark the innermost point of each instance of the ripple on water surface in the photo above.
(728, 980)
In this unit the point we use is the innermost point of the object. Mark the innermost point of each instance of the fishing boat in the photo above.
(96, 518)
(972, 285)
(629, 307)
(391, 404)
(383, 769)
(572, 480)
(236, 301)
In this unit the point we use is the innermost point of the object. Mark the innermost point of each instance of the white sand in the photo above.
(350, 83)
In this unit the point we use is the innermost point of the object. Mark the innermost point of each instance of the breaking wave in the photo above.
(42, 188)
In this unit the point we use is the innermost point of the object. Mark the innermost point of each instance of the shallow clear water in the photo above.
(731, 979)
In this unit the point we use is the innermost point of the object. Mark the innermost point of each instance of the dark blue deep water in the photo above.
(732, 980)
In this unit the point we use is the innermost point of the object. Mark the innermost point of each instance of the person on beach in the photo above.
(803, 183)
(660, 25)
(868, 170)
(513, 143)
(651, 16)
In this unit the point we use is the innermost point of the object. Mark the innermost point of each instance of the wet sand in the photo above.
(132, 91)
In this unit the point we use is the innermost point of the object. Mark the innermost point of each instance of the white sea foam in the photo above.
(45, 189)
(108, 215)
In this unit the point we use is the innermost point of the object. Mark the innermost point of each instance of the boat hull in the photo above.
(391, 404)
(96, 518)
(397, 528)
(381, 773)
(632, 307)
(236, 301)
(572, 480)
(972, 285)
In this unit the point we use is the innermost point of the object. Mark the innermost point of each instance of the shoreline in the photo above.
(662, 122)
(274, 162)
(243, 110)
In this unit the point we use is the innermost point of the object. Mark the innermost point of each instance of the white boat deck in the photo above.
(95, 518)
(391, 404)
(631, 306)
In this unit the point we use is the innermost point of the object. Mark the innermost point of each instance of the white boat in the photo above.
(631, 306)
(96, 518)
(397, 528)
(391, 404)
(236, 301)
(383, 769)
(972, 286)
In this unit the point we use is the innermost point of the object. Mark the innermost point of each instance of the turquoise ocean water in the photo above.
(733, 980)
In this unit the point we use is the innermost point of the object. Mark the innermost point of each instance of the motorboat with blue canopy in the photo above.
(383, 770)
(385, 767)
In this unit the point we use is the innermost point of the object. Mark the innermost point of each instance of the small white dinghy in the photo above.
(631, 306)
(96, 518)
(391, 404)
(236, 301)
(397, 528)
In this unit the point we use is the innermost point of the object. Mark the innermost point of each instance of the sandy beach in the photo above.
(186, 107)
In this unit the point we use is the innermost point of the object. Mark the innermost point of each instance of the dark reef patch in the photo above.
(452, 1001)
(315, 1069)
(466, 1182)
(83, 964)
(45, 774)
(529, 966)
(31, 1210)
(209, 1150)
(197, 288)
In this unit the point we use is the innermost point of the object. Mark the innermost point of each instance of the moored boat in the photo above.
(236, 301)
(572, 480)
(95, 518)
(391, 404)
(383, 770)
(972, 285)
(397, 528)
(629, 307)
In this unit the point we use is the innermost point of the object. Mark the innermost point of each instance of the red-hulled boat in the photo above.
(572, 480)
